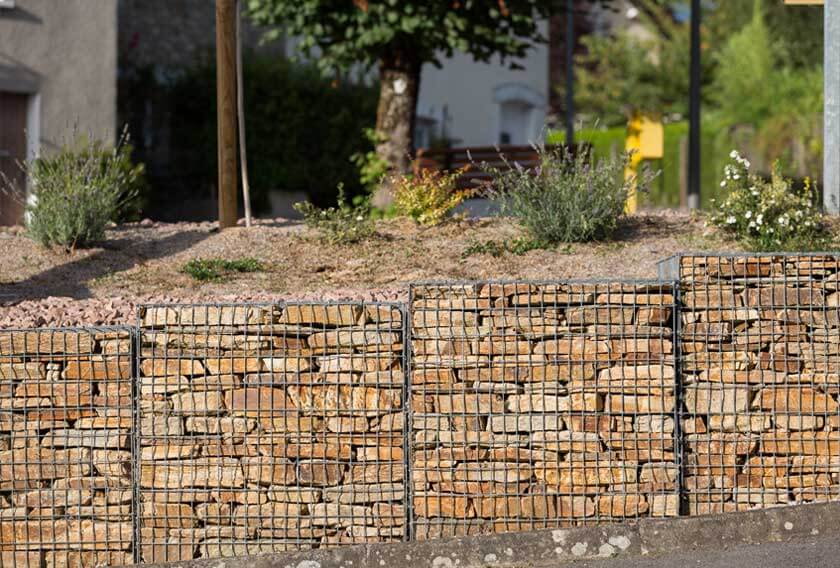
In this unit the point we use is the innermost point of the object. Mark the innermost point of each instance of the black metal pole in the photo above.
(694, 111)
(570, 73)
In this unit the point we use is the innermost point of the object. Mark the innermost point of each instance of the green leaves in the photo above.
(346, 34)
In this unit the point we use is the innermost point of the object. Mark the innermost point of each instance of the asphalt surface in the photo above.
(822, 551)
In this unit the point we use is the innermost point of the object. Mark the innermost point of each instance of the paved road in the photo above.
(819, 552)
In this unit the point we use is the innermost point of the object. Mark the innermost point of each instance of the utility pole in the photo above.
(694, 111)
(831, 111)
(226, 110)
(570, 73)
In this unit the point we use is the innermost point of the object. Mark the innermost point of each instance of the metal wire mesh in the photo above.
(66, 421)
(537, 405)
(760, 345)
(270, 428)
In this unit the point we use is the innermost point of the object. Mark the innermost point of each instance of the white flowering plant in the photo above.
(343, 224)
(768, 215)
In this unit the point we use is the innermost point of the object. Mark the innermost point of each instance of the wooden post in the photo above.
(226, 110)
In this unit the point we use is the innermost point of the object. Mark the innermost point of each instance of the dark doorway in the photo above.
(12, 152)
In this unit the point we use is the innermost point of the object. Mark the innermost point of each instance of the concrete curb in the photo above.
(553, 547)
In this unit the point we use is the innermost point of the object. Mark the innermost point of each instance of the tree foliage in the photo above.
(369, 31)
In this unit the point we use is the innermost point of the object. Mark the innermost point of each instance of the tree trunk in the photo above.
(399, 76)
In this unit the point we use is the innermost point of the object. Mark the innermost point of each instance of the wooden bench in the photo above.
(501, 157)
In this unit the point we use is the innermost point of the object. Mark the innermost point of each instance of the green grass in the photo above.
(219, 269)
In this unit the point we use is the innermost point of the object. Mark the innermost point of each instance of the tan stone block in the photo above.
(163, 367)
(112, 368)
(808, 443)
(324, 314)
(576, 348)
(499, 472)
(438, 505)
(167, 515)
(651, 423)
(290, 422)
(664, 505)
(712, 297)
(201, 472)
(798, 399)
(781, 295)
(340, 398)
(267, 515)
(256, 401)
(785, 422)
(710, 399)
(388, 514)
(82, 559)
(365, 493)
(65, 438)
(220, 424)
(168, 450)
(525, 423)
(335, 514)
(377, 473)
(729, 423)
(541, 402)
(566, 441)
(469, 403)
(575, 506)
(83, 534)
(268, 470)
(27, 371)
(46, 341)
(214, 513)
(622, 505)
(46, 498)
(600, 315)
(197, 402)
(34, 463)
(156, 425)
(432, 376)
(294, 494)
(573, 476)
(653, 403)
(320, 473)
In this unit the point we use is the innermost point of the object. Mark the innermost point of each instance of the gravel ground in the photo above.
(141, 263)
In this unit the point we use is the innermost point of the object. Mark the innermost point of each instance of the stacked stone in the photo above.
(541, 405)
(270, 428)
(65, 448)
(760, 359)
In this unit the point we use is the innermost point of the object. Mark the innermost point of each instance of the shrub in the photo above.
(570, 198)
(343, 224)
(302, 127)
(79, 190)
(429, 196)
(767, 215)
(217, 269)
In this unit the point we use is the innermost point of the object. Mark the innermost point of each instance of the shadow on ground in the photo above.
(72, 279)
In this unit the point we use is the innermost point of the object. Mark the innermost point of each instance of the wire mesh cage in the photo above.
(267, 428)
(66, 433)
(761, 356)
(536, 405)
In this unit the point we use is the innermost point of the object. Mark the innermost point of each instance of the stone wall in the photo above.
(541, 405)
(65, 448)
(760, 346)
(270, 428)
(220, 430)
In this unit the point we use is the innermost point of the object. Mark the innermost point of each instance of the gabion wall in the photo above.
(761, 347)
(541, 405)
(66, 432)
(221, 430)
(266, 429)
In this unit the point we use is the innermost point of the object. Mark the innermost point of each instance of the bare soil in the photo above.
(142, 263)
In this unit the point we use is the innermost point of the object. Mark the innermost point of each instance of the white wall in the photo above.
(466, 90)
